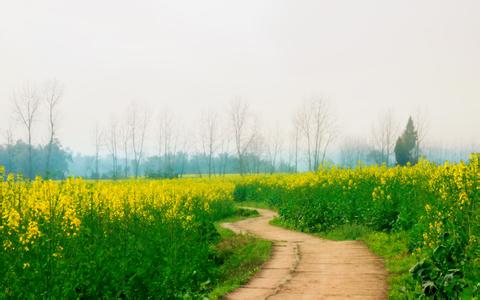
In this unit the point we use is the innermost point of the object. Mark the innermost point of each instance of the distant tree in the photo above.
(53, 93)
(406, 145)
(209, 137)
(15, 157)
(315, 123)
(138, 122)
(9, 148)
(353, 151)
(244, 131)
(166, 141)
(125, 139)
(383, 134)
(294, 145)
(273, 147)
(59, 159)
(254, 156)
(421, 121)
(112, 145)
(26, 103)
(99, 136)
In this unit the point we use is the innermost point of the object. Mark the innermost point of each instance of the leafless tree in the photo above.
(166, 137)
(113, 144)
(257, 152)
(384, 135)
(160, 143)
(26, 102)
(9, 141)
(244, 130)
(273, 147)
(98, 147)
(224, 149)
(53, 95)
(316, 126)
(138, 122)
(294, 146)
(209, 137)
(421, 122)
(124, 135)
(181, 143)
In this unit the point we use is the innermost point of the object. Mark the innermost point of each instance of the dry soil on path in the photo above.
(306, 267)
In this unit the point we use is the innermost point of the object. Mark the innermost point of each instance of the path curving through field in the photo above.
(306, 267)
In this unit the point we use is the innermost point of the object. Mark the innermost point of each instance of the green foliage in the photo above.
(435, 282)
(241, 257)
(240, 192)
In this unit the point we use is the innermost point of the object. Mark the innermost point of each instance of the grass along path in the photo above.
(240, 255)
(308, 267)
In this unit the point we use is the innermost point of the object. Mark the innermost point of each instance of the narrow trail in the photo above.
(306, 267)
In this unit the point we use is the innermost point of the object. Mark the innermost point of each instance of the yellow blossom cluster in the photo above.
(30, 210)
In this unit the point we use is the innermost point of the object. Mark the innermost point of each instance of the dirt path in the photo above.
(305, 267)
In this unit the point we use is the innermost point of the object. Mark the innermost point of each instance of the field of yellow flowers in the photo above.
(438, 207)
(85, 239)
(154, 238)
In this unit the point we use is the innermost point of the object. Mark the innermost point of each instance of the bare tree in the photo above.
(294, 146)
(256, 153)
(179, 144)
(273, 148)
(244, 130)
(180, 155)
(224, 149)
(315, 123)
(9, 141)
(124, 135)
(209, 136)
(384, 135)
(26, 102)
(160, 143)
(53, 94)
(421, 122)
(138, 122)
(98, 147)
(166, 138)
(113, 144)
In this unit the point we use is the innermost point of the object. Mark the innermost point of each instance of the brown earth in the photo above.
(306, 267)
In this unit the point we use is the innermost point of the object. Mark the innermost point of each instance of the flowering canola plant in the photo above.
(80, 238)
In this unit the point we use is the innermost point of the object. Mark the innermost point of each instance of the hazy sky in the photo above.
(364, 56)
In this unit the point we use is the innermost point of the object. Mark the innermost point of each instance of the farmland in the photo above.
(428, 215)
(158, 238)
(132, 238)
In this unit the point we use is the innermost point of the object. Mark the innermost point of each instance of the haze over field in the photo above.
(365, 57)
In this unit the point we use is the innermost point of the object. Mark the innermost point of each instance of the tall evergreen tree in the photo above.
(405, 145)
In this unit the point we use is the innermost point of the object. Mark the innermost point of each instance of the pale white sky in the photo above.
(365, 56)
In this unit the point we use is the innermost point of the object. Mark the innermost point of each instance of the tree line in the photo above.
(141, 142)
(222, 142)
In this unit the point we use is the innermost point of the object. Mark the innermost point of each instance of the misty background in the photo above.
(370, 64)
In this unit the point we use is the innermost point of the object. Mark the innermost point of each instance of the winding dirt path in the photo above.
(306, 267)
